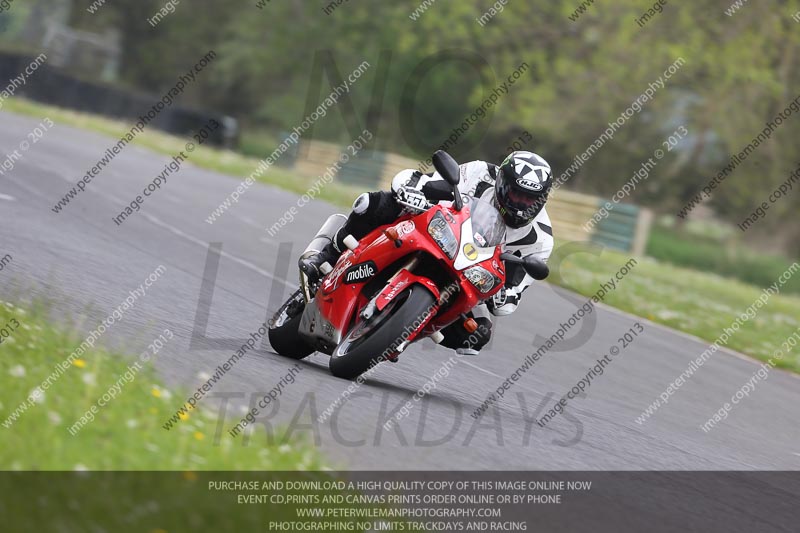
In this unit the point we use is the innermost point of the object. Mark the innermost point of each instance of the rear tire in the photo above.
(367, 342)
(283, 332)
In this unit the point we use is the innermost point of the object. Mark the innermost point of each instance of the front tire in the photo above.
(283, 330)
(370, 342)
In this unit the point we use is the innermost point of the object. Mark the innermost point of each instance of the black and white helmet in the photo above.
(523, 182)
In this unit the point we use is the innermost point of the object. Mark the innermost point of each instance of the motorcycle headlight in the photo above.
(441, 232)
(483, 280)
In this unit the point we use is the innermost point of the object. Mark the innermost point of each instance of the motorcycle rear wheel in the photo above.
(370, 342)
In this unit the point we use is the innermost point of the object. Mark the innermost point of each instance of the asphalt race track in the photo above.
(86, 265)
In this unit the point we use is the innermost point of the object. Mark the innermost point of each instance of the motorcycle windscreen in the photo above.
(488, 228)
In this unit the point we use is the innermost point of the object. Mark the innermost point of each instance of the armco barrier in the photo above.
(626, 228)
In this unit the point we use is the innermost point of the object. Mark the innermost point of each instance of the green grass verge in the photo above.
(710, 255)
(123, 472)
(178, 502)
(698, 303)
(695, 302)
(127, 433)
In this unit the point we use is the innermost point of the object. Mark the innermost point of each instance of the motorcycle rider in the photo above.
(518, 187)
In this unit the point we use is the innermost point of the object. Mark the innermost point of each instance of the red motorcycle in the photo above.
(401, 283)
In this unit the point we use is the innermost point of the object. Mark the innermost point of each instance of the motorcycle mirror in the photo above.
(447, 167)
(536, 268)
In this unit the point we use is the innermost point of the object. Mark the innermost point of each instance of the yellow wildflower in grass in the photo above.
(198, 435)
(156, 392)
(80, 363)
(183, 416)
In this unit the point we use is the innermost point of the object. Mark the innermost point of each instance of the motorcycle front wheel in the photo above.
(374, 340)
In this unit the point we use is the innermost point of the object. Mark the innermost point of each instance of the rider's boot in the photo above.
(312, 266)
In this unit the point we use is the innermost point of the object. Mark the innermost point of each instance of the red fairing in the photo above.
(341, 296)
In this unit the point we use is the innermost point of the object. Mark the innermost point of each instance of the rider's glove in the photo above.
(412, 199)
(438, 190)
(504, 302)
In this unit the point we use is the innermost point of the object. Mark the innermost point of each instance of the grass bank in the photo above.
(698, 303)
(708, 254)
(126, 433)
